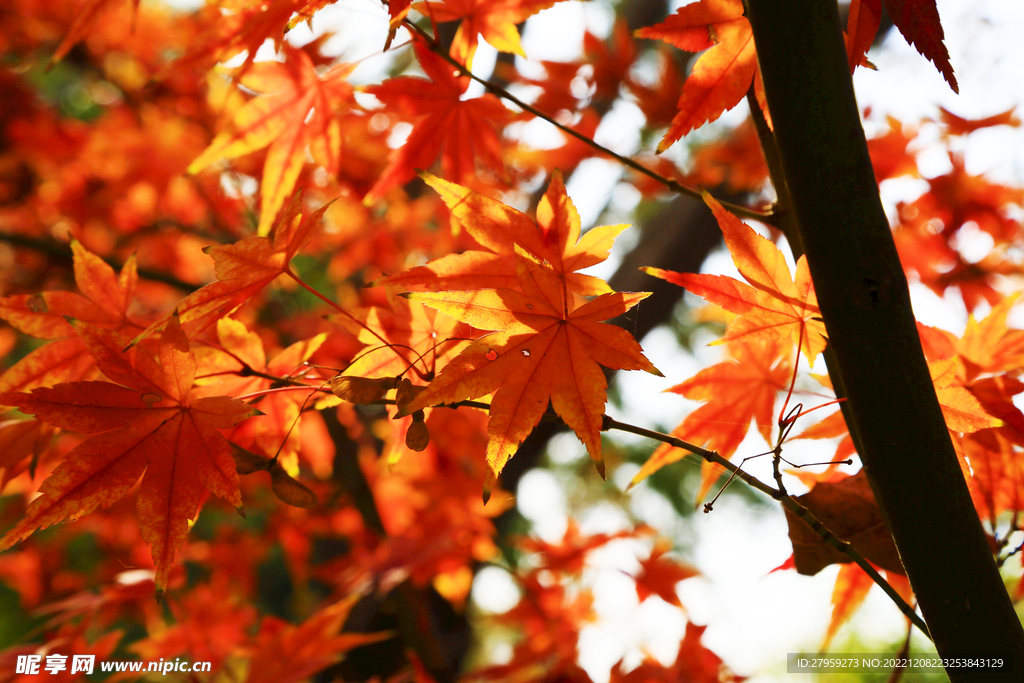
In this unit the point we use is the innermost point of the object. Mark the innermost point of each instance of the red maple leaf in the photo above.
(458, 130)
(146, 422)
(723, 73)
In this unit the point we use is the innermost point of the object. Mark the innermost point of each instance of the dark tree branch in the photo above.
(862, 291)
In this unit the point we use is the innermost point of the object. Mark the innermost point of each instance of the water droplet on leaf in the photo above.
(526, 352)
(491, 355)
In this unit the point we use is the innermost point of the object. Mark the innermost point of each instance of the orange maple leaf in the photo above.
(852, 586)
(444, 125)
(694, 664)
(105, 303)
(544, 348)
(243, 269)
(659, 575)
(735, 392)
(962, 411)
(569, 556)
(553, 238)
(297, 110)
(85, 18)
(495, 20)
(722, 74)
(774, 304)
(287, 652)
(146, 422)
(226, 371)
(229, 27)
(407, 337)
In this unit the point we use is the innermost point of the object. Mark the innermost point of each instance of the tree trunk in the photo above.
(897, 424)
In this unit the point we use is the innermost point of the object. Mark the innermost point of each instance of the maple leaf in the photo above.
(404, 336)
(228, 371)
(234, 26)
(918, 21)
(544, 349)
(553, 238)
(722, 74)
(495, 20)
(85, 18)
(861, 26)
(847, 508)
(694, 664)
(146, 422)
(889, 155)
(286, 653)
(852, 586)
(659, 575)
(569, 556)
(773, 304)
(987, 345)
(296, 110)
(243, 269)
(956, 125)
(962, 411)
(735, 392)
(458, 130)
(103, 301)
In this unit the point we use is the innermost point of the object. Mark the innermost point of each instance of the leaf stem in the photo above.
(768, 217)
(265, 392)
(385, 342)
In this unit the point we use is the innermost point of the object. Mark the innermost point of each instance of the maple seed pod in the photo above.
(290, 491)
(361, 390)
(247, 462)
(417, 437)
(407, 391)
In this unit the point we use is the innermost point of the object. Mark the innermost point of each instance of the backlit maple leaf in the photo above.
(694, 664)
(569, 555)
(773, 304)
(553, 238)
(104, 300)
(458, 130)
(495, 20)
(296, 110)
(407, 339)
(736, 392)
(722, 75)
(918, 21)
(146, 422)
(659, 575)
(544, 348)
(861, 27)
(234, 26)
(852, 586)
(86, 16)
(286, 652)
(226, 371)
(243, 269)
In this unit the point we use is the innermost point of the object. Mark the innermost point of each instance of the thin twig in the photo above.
(768, 217)
(789, 503)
